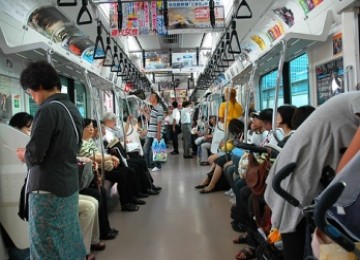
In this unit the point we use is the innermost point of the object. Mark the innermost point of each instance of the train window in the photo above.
(64, 84)
(267, 90)
(299, 80)
(80, 98)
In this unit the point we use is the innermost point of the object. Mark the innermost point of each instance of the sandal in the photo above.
(204, 163)
(241, 239)
(98, 246)
(201, 186)
(246, 253)
(90, 257)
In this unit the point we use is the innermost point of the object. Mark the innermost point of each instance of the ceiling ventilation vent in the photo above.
(172, 41)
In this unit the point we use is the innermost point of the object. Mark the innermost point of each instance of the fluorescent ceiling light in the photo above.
(207, 41)
(228, 5)
(105, 8)
(133, 45)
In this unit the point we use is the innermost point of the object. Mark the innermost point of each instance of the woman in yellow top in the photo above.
(234, 110)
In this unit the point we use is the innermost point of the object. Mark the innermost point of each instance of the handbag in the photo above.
(256, 174)
(24, 201)
(86, 174)
(255, 177)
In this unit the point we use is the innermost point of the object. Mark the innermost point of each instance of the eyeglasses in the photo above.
(28, 91)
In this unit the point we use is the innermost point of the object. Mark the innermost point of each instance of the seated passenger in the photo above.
(216, 180)
(284, 122)
(205, 143)
(317, 143)
(89, 224)
(90, 150)
(22, 121)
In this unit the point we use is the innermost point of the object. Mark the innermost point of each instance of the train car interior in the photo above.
(226, 75)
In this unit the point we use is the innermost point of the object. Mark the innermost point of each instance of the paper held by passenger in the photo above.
(12, 175)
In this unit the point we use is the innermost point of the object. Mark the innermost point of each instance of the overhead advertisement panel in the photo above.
(138, 18)
(20, 10)
(191, 16)
(147, 18)
(157, 61)
(50, 22)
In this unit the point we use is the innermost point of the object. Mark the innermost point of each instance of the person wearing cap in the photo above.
(265, 117)
(234, 108)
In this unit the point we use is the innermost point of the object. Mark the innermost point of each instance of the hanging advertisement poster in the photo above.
(135, 19)
(329, 80)
(157, 18)
(275, 32)
(308, 5)
(54, 25)
(185, 16)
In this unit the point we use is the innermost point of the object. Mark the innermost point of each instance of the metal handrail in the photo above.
(277, 88)
(249, 87)
(97, 117)
(347, 80)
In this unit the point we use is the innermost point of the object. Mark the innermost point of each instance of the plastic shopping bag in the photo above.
(159, 151)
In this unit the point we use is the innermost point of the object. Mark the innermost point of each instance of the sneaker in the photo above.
(228, 193)
(232, 201)
(155, 169)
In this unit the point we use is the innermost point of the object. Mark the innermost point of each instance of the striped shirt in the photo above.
(88, 148)
(156, 116)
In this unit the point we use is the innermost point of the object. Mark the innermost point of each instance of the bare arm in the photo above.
(353, 148)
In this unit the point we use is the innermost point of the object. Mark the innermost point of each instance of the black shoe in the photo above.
(174, 152)
(200, 186)
(114, 230)
(187, 156)
(142, 195)
(152, 192)
(156, 188)
(110, 235)
(130, 207)
(139, 202)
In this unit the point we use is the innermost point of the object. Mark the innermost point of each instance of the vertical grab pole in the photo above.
(117, 97)
(210, 112)
(277, 88)
(348, 77)
(249, 87)
(97, 118)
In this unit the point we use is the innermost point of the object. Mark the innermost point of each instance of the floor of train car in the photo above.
(179, 223)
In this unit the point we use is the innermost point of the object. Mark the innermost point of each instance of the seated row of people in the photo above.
(229, 169)
(131, 174)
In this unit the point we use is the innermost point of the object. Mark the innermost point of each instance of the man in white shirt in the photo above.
(186, 128)
(175, 120)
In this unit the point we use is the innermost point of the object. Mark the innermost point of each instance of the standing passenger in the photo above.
(50, 155)
(175, 117)
(154, 131)
(186, 128)
(234, 108)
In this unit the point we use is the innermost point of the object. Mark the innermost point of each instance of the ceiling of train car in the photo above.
(177, 42)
